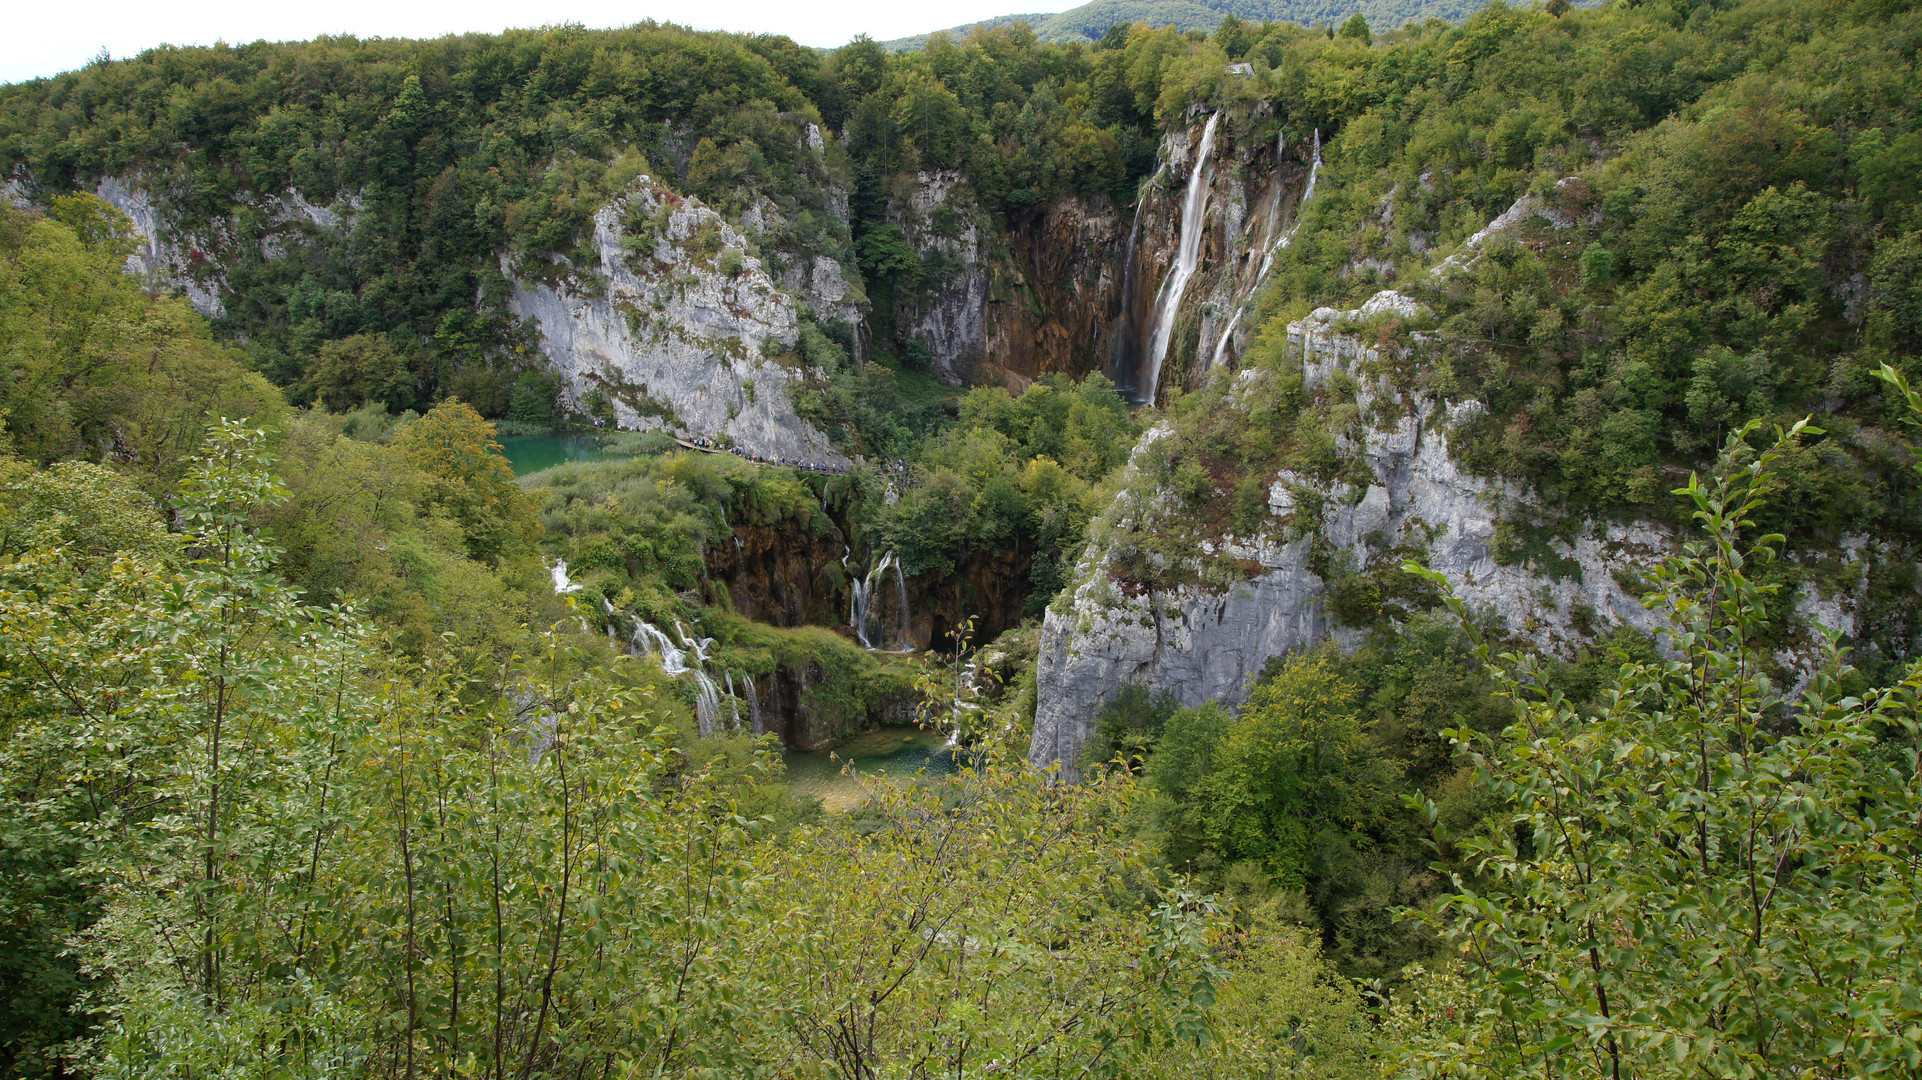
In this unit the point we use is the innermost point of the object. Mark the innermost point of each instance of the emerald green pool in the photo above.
(532, 453)
(891, 753)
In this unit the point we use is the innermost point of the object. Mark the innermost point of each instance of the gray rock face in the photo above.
(171, 259)
(952, 322)
(678, 327)
(1204, 646)
(161, 260)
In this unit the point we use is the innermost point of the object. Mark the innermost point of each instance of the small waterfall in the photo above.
(901, 611)
(562, 583)
(651, 640)
(753, 704)
(861, 598)
(1187, 254)
(1268, 260)
(707, 701)
(857, 596)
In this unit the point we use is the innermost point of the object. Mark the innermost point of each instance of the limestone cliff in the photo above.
(1077, 286)
(171, 257)
(676, 326)
(1403, 496)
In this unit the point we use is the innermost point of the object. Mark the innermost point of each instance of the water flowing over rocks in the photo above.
(1174, 286)
(1082, 285)
(676, 326)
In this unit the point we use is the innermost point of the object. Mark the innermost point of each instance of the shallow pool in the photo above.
(896, 752)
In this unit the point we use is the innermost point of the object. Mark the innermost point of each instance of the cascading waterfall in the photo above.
(707, 701)
(1268, 260)
(1187, 254)
(861, 599)
(653, 641)
(562, 583)
(650, 639)
(753, 704)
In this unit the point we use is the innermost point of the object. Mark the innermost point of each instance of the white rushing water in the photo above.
(674, 658)
(1187, 253)
(861, 601)
(562, 583)
(1268, 260)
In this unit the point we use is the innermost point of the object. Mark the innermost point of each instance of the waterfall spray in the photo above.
(651, 640)
(1187, 254)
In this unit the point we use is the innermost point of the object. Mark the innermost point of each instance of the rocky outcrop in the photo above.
(681, 330)
(164, 260)
(949, 312)
(800, 704)
(1204, 645)
(1055, 293)
(991, 587)
(781, 574)
(171, 257)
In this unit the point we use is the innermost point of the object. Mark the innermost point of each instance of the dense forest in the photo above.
(337, 741)
(1091, 22)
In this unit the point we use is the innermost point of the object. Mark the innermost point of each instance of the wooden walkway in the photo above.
(830, 470)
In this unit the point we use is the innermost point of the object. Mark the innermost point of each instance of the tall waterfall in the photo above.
(861, 601)
(1187, 254)
(1268, 260)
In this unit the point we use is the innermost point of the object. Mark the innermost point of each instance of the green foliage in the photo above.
(1295, 759)
(1691, 880)
(1129, 725)
(1015, 474)
(358, 525)
(470, 481)
(1222, 20)
(90, 366)
(433, 159)
(289, 854)
(879, 410)
(1703, 208)
(643, 526)
(360, 370)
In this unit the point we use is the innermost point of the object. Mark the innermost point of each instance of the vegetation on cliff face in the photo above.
(310, 770)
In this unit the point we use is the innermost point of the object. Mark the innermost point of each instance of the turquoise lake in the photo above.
(532, 453)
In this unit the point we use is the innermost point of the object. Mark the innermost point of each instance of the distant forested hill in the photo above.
(1091, 20)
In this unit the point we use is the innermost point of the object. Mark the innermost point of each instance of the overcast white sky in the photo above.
(44, 38)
